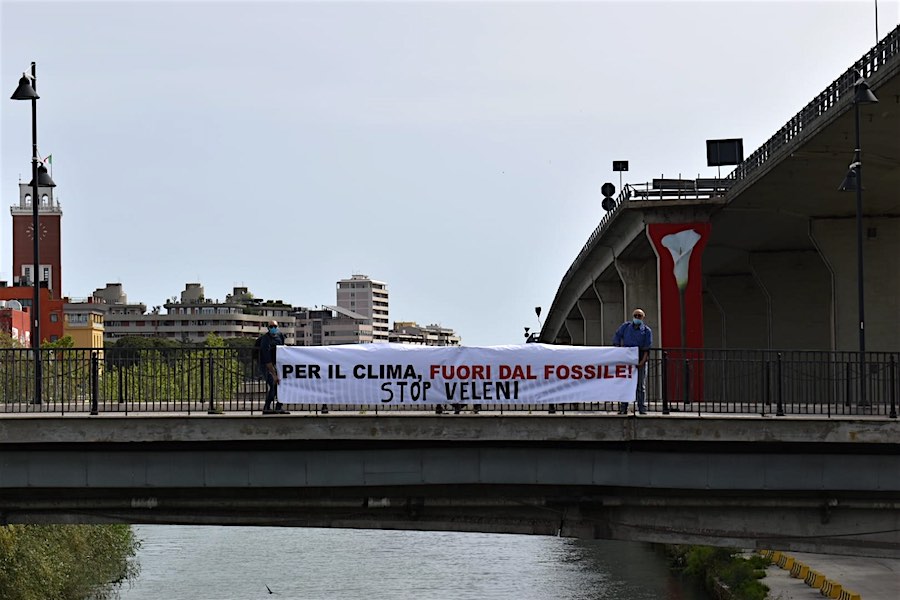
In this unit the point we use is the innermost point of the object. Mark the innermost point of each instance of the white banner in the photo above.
(402, 373)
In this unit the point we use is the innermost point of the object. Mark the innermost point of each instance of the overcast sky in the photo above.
(452, 150)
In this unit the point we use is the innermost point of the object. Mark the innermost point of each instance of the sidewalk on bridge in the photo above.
(871, 578)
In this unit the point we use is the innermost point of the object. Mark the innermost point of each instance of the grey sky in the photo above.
(453, 150)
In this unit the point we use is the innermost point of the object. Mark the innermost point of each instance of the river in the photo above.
(239, 563)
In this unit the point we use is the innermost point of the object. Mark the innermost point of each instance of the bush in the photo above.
(65, 562)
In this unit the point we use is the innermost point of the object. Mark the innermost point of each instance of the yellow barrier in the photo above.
(814, 579)
(830, 589)
(845, 595)
(800, 570)
(776, 556)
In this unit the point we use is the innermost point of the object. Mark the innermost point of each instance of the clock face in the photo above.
(29, 231)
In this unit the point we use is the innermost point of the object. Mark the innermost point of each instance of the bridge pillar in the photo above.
(591, 313)
(639, 284)
(836, 241)
(798, 287)
(744, 306)
(612, 305)
(575, 326)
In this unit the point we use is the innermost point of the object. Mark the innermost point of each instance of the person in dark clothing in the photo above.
(267, 343)
(635, 333)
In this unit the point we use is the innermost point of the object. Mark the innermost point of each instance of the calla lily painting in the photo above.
(681, 245)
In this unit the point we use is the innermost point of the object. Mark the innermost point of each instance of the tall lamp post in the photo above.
(853, 181)
(27, 90)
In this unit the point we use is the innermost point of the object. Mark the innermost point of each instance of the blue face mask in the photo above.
(637, 321)
(273, 330)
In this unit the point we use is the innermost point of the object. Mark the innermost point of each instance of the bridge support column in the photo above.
(796, 282)
(836, 241)
(591, 314)
(612, 307)
(575, 327)
(744, 307)
(639, 283)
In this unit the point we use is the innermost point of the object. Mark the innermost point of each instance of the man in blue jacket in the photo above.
(636, 334)
(267, 343)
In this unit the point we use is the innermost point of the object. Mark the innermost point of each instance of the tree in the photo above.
(65, 562)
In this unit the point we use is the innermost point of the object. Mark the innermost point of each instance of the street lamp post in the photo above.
(853, 181)
(27, 90)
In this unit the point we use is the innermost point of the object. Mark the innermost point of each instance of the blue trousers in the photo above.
(271, 389)
(640, 392)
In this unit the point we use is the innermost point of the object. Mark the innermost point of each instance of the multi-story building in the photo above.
(409, 332)
(84, 323)
(193, 317)
(332, 325)
(15, 322)
(50, 259)
(49, 238)
(366, 297)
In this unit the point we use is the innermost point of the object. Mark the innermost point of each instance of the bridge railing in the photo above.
(187, 380)
(796, 382)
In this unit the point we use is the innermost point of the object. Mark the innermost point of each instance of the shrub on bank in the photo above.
(724, 571)
(65, 562)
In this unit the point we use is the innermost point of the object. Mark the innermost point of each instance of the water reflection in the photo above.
(225, 563)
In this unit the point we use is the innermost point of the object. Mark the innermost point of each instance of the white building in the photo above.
(332, 325)
(369, 298)
(193, 317)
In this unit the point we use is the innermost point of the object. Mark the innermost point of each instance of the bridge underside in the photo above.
(818, 485)
(845, 523)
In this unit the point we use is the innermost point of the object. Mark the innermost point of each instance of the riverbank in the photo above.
(871, 578)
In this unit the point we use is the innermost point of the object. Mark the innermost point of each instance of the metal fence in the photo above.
(217, 380)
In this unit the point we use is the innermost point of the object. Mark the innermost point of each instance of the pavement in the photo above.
(871, 578)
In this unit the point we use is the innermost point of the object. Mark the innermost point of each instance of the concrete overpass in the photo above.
(817, 485)
(779, 268)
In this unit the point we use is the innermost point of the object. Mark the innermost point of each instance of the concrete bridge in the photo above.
(811, 484)
(779, 267)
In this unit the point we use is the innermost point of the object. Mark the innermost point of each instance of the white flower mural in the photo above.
(681, 245)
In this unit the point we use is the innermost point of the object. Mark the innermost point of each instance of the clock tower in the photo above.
(48, 232)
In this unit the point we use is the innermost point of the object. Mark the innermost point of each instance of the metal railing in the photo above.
(216, 380)
(885, 52)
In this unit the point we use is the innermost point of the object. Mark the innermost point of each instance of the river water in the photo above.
(238, 563)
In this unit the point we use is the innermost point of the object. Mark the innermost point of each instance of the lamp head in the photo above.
(25, 91)
(862, 93)
(43, 178)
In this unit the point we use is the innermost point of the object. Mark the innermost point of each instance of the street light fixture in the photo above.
(853, 181)
(27, 90)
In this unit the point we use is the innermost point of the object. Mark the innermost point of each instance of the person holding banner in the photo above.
(267, 343)
(631, 334)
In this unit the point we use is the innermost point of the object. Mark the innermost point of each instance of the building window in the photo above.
(54, 317)
(46, 276)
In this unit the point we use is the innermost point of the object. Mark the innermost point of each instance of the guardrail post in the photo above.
(893, 381)
(202, 381)
(849, 386)
(665, 382)
(780, 411)
(212, 395)
(95, 383)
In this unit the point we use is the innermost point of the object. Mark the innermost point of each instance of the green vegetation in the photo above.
(65, 562)
(724, 571)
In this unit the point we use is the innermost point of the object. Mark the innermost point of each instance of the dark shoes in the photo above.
(277, 411)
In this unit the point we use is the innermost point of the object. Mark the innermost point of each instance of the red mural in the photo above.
(679, 252)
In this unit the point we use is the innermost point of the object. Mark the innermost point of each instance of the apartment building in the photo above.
(193, 316)
(409, 332)
(332, 325)
(369, 298)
